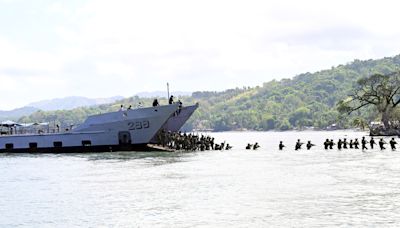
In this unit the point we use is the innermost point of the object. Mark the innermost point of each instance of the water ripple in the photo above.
(238, 188)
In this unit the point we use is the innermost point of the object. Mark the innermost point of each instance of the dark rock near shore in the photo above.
(384, 132)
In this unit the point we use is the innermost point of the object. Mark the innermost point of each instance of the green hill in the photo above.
(307, 100)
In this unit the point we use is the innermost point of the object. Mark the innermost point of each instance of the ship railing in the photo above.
(34, 130)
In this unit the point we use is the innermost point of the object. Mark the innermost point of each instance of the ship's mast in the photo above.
(167, 90)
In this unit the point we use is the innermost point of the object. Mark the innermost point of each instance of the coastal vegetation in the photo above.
(308, 100)
(382, 92)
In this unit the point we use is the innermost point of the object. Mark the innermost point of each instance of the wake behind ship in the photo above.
(115, 131)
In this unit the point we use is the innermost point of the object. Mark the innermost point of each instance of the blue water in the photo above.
(237, 188)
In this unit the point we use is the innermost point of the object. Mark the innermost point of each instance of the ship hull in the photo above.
(80, 149)
(179, 118)
(116, 131)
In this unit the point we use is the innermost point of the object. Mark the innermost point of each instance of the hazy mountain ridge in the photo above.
(162, 94)
(68, 103)
(17, 113)
(306, 100)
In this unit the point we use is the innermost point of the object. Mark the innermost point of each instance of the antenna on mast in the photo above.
(167, 90)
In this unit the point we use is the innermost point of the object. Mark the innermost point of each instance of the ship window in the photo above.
(57, 144)
(32, 145)
(9, 146)
(86, 143)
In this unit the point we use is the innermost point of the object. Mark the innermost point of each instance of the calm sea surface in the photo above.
(237, 188)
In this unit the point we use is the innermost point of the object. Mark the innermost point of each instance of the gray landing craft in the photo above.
(114, 131)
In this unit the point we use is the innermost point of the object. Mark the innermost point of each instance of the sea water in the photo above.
(236, 188)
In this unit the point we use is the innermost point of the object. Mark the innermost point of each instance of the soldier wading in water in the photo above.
(393, 144)
(298, 145)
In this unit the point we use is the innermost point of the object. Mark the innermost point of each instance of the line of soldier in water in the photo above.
(344, 144)
(254, 146)
(189, 142)
(192, 142)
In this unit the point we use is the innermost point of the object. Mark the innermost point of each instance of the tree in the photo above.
(284, 125)
(380, 91)
(299, 116)
(360, 122)
(267, 122)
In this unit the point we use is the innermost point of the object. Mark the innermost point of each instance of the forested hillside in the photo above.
(307, 100)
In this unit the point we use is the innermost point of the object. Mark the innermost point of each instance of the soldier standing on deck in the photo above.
(171, 100)
(155, 103)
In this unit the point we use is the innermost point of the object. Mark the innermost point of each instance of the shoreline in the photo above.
(278, 131)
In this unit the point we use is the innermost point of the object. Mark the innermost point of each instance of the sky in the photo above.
(98, 48)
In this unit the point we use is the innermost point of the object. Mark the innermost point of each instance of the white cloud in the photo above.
(98, 48)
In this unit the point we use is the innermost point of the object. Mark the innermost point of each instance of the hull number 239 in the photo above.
(139, 125)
